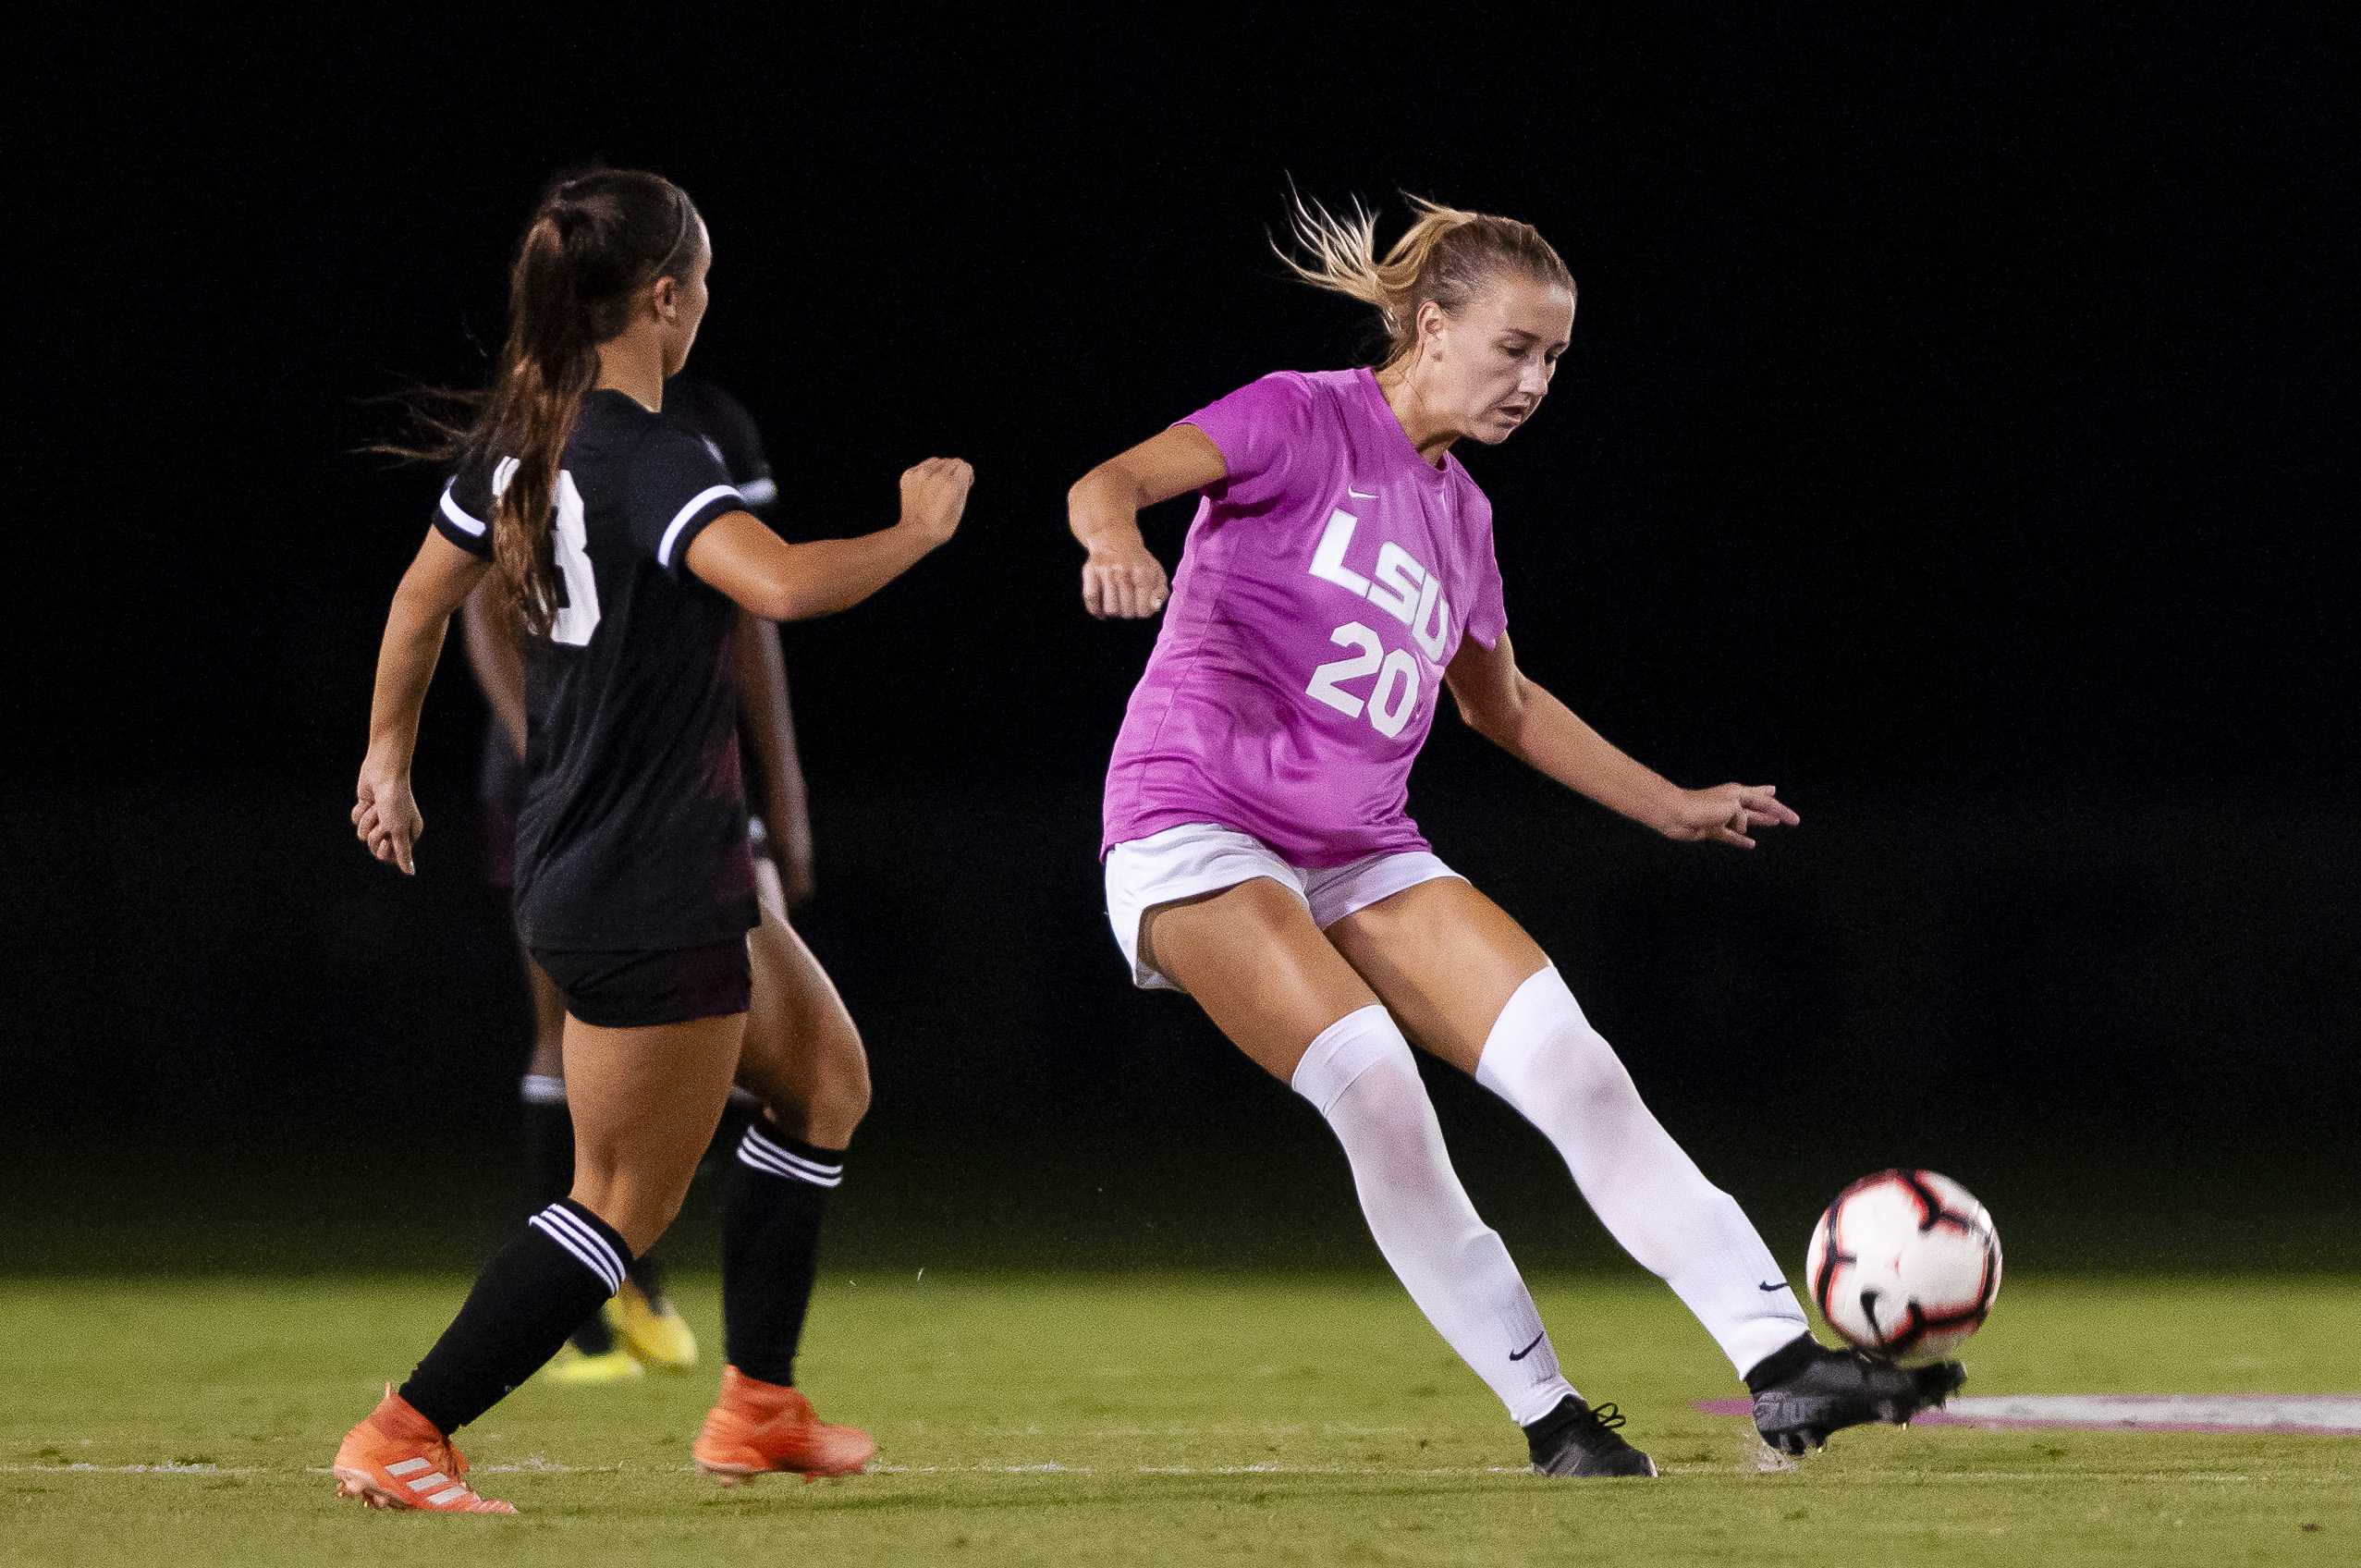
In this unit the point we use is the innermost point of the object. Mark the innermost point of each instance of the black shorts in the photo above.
(641, 989)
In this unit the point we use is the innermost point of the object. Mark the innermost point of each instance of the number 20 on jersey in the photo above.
(1403, 588)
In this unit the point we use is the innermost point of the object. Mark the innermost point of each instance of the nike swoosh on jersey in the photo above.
(1362, 495)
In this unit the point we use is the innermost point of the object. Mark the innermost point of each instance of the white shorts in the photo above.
(1198, 858)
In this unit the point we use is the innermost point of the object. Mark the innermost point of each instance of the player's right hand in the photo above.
(384, 816)
(1122, 580)
(934, 495)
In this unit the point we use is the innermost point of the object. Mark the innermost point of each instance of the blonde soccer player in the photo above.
(1338, 577)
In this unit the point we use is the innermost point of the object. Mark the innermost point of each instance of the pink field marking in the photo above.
(2315, 1416)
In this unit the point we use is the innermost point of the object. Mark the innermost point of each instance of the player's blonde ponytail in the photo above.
(1447, 256)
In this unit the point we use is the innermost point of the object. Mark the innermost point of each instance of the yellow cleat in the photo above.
(651, 1330)
(571, 1368)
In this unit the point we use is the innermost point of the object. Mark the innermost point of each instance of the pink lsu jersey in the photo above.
(1324, 585)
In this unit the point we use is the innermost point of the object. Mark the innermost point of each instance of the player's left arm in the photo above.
(1513, 712)
(384, 814)
(488, 632)
(768, 725)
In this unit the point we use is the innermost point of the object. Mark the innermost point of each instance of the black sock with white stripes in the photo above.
(549, 1175)
(529, 1297)
(770, 1247)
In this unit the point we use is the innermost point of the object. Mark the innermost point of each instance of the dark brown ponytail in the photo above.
(595, 241)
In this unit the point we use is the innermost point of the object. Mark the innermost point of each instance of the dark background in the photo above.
(1953, 434)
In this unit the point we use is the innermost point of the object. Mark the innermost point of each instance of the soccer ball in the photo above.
(1905, 1265)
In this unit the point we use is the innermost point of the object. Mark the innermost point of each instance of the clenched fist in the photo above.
(1122, 580)
(934, 495)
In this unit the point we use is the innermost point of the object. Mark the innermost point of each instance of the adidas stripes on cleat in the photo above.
(757, 1426)
(395, 1458)
(1827, 1391)
(1575, 1440)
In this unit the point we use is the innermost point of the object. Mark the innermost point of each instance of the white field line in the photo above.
(162, 1468)
(537, 1465)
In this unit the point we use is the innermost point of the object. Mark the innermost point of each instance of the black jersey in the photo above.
(633, 829)
(722, 423)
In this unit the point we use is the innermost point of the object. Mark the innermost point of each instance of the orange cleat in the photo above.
(757, 1426)
(396, 1459)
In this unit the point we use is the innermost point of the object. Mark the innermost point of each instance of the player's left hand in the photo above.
(1725, 813)
(386, 818)
(792, 855)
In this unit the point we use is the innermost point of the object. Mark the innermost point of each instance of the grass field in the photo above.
(1168, 1418)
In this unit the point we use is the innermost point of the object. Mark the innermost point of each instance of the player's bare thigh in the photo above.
(803, 1057)
(1259, 966)
(644, 1103)
(1444, 959)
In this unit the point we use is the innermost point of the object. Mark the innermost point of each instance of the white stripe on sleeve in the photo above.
(681, 519)
(472, 527)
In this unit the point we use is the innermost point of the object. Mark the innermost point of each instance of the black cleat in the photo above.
(1830, 1390)
(1575, 1439)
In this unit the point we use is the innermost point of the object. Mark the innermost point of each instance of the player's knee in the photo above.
(1359, 1074)
(1597, 1093)
(842, 1102)
(1544, 1058)
(1391, 1097)
(837, 1097)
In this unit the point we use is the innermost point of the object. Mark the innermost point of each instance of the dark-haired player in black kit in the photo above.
(639, 1328)
(628, 554)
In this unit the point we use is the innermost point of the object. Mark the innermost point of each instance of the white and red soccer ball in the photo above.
(1905, 1265)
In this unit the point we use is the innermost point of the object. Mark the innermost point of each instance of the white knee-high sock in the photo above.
(1545, 1058)
(1359, 1074)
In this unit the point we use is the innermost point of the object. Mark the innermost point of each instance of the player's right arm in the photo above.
(739, 556)
(1120, 577)
(384, 814)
